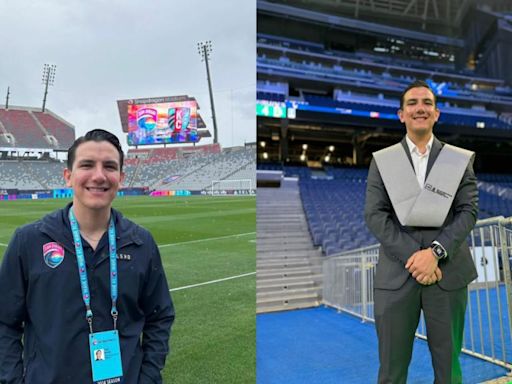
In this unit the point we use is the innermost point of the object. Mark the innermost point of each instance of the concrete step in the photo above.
(305, 272)
(275, 212)
(283, 240)
(287, 235)
(282, 247)
(287, 304)
(280, 264)
(273, 215)
(273, 286)
(316, 277)
(285, 294)
(277, 254)
(263, 264)
(260, 309)
(262, 224)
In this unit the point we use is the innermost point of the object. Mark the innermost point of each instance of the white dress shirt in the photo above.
(419, 160)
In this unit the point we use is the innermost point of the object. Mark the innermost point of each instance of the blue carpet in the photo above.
(323, 346)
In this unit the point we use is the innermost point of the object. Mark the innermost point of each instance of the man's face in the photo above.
(419, 113)
(95, 176)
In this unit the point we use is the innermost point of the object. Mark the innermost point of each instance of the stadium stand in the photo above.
(289, 265)
(178, 168)
(62, 131)
(334, 205)
(329, 80)
(23, 127)
(188, 168)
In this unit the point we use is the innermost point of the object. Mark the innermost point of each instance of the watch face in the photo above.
(438, 251)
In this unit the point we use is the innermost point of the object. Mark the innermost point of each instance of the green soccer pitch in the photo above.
(201, 239)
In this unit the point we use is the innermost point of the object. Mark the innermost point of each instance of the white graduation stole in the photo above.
(413, 205)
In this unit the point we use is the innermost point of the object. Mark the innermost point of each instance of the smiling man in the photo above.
(67, 292)
(421, 204)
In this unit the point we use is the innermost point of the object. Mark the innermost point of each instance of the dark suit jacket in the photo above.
(399, 242)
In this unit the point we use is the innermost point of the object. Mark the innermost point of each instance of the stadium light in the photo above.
(48, 79)
(7, 98)
(204, 49)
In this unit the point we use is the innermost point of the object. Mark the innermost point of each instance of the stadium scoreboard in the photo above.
(160, 120)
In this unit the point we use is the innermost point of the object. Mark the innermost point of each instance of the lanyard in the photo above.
(82, 270)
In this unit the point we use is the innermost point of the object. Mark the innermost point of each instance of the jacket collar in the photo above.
(434, 152)
(56, 225)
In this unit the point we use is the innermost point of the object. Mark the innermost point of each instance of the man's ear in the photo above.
(67, 177)
(438, 113)
(400, 114)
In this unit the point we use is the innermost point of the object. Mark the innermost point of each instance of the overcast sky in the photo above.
(123, 49)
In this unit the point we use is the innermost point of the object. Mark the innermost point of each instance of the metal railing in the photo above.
(349, 276)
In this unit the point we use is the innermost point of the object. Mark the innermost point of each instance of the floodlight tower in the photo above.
(7, 98)
(48, 79)
(205, 49)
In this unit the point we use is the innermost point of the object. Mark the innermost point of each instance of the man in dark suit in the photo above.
(421, 267)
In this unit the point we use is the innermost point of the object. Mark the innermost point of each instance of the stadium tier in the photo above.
(191, 168)
(328, 76)
(22, 127)
(181, 168)
(62, 131)
(333, 201)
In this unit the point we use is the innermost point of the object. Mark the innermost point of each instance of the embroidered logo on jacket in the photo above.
(53, 254)
(124, 256)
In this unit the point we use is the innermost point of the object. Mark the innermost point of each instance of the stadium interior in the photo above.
(329, 80)
(32, 143)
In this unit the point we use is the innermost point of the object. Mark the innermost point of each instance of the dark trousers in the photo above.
(397, 314)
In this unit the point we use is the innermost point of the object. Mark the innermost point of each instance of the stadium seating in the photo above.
(31, 128)
(23, 126)
(463, 94)
(31, 175)
(187, 168)
(63, 132)
(334, 206)
(228, 165)
(190, 168)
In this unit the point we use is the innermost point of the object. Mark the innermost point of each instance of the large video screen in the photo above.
(163, 123)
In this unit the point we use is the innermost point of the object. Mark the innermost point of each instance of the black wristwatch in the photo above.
(438, 250)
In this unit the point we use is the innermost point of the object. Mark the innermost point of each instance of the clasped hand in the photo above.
(423, 267)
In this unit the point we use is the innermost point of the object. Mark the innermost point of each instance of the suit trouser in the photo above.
(397, 314)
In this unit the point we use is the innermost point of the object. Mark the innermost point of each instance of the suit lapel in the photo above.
(434, 152)
(408, 153)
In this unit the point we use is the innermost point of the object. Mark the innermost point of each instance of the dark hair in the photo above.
(417, 84)
(95, 135)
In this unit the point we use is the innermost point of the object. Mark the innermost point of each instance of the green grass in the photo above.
(200, 239)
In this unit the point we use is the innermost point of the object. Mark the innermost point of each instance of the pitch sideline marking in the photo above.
(191, 241)
(211, 282)
(207, 239)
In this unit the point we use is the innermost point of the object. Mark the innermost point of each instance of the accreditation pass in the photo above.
(105, 356)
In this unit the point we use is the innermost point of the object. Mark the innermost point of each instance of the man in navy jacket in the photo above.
(41, 296)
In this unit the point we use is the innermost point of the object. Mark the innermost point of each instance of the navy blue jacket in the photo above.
(45, 306)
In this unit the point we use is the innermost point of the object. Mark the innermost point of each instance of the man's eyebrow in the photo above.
(111, 162)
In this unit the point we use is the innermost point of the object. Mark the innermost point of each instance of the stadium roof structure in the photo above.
(434, 16)
(326, 78)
